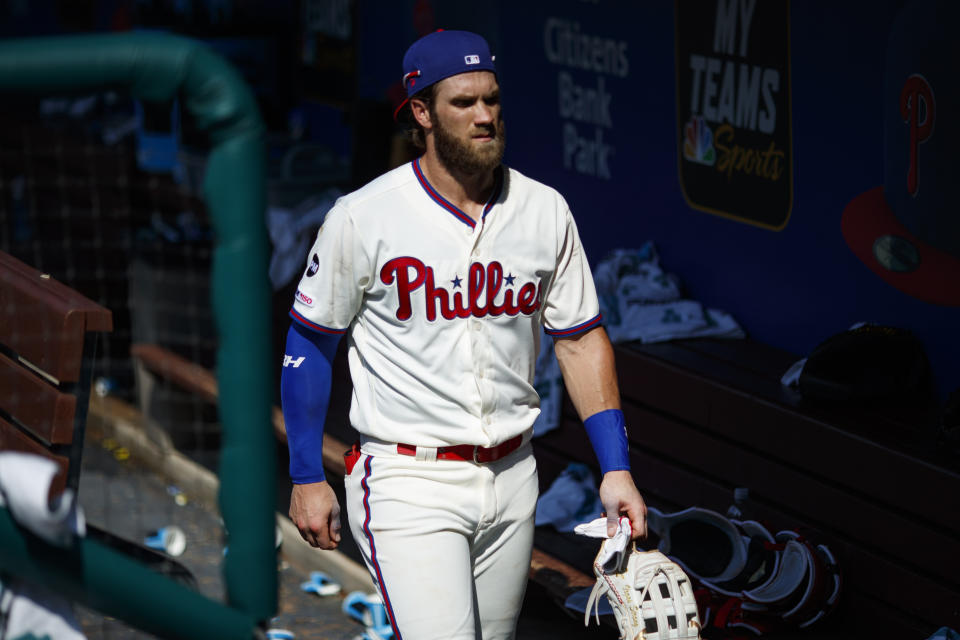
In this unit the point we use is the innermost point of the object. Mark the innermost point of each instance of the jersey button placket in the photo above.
(478, 335)
(479, 349)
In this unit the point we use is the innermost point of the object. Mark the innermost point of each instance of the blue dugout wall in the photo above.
(601, 95)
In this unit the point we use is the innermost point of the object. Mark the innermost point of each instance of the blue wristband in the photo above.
(608, 435)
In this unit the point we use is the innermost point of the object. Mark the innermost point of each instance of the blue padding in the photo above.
(608, 435)
(305, 396)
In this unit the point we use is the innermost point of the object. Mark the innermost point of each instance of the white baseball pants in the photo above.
(447, 542)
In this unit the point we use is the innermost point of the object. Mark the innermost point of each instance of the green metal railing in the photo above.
(158, 67)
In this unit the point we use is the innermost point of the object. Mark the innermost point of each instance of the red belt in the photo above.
(468, 452)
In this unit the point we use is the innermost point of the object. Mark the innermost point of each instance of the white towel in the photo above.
(598, 529)
(642, 302)
(24, 486)
(35, 612)
(570, 499)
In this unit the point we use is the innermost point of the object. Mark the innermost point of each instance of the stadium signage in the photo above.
(734, 140)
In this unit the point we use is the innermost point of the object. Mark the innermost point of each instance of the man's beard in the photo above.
(463, 157)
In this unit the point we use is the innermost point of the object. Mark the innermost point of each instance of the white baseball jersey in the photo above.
(443, 313)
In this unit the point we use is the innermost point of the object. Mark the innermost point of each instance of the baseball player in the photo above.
(441, 273)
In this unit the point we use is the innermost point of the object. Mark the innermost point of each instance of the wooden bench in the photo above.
(48, 337)
(708, 416)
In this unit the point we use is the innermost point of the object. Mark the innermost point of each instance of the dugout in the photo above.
(612, 89)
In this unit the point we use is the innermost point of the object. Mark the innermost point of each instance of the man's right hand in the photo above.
(316, 513)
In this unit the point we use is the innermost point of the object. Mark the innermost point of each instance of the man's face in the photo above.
(467, 122)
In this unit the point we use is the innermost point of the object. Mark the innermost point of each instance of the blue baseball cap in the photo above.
(442, 54)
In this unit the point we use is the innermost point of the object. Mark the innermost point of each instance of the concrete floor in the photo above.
(131, 502)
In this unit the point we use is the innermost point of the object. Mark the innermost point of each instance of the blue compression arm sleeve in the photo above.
(608, 435)
(305, 396)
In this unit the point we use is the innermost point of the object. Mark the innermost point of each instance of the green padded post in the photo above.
(158, 67)
(118, 586)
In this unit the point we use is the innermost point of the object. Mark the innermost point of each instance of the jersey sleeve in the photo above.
(570, 306)
(338, 271)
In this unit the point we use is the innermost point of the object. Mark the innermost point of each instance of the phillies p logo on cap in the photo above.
(918, 110)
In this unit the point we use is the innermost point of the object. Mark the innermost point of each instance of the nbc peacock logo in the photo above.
(698, 142)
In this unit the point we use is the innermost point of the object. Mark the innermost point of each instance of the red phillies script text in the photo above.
(484, 282)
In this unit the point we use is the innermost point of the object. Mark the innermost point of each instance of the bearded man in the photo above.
(441, 273)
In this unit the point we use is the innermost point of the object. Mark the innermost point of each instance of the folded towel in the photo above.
(641, 302)
(571, 499)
